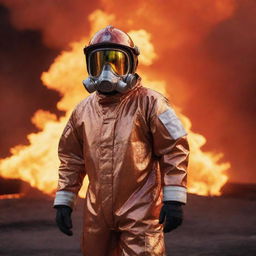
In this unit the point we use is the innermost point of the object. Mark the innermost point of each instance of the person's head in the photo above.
(111, 59)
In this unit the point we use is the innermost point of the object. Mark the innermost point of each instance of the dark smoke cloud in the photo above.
(227, 82)
(23, 57)
(61, 21)
(220, 76)
(208, 45)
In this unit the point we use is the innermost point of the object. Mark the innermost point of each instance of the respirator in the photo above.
(109, 70)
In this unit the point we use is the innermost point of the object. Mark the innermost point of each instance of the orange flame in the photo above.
(38, 163)
(11, 196)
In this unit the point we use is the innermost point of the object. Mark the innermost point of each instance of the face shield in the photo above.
(118, 61)
(110, 69)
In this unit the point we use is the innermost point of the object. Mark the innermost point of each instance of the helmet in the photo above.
(111, 59)
(111, 37)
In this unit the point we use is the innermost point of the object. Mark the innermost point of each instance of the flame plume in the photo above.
(38, 163)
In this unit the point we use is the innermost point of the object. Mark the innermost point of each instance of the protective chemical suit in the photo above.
(135, 152)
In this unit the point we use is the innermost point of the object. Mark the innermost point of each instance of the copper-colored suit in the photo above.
(131, 146)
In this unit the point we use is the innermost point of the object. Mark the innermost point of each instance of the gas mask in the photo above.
(109, 70)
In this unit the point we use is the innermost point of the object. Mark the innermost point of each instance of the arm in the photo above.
(71, 174)
(71, 169)
(171, 147)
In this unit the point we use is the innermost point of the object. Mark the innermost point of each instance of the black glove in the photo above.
(63, 219)
(171, 215)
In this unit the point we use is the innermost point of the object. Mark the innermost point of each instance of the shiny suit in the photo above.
(135, 152)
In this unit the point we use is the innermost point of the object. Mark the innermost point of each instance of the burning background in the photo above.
(200, 54)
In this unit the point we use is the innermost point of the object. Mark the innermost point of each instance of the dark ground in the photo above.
(223, 226)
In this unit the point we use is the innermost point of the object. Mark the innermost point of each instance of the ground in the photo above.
(212, 226)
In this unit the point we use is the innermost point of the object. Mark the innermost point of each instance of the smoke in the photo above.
(226, 78)
(61, 21)
(23, 57)
(205, 50)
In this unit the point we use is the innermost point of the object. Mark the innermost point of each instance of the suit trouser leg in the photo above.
(142, 244)
(105, 243)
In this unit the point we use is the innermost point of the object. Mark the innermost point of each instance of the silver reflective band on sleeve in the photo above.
(65, 197)
(175, 193)
(172, 123)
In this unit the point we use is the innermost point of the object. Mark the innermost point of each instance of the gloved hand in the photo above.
(63, 219)
(171, 215)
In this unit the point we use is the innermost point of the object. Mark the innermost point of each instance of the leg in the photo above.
(97, 236)
(141, 233)
(142, 244)
(114, 244)
(96, 244)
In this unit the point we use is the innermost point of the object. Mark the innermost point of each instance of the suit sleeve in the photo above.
(171, 146)
(71, 169)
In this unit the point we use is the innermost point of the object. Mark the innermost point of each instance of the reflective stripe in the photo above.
(175, 193)
(172, 123)
(65, 197)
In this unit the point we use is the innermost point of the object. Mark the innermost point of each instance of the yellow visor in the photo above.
(118, 61)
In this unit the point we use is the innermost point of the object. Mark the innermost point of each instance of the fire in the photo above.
(11, 196)
(38, 163)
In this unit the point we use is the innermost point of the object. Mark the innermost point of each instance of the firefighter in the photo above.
(134, 149)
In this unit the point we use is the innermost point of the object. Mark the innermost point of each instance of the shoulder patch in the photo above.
(67, 130)
(172, 123)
